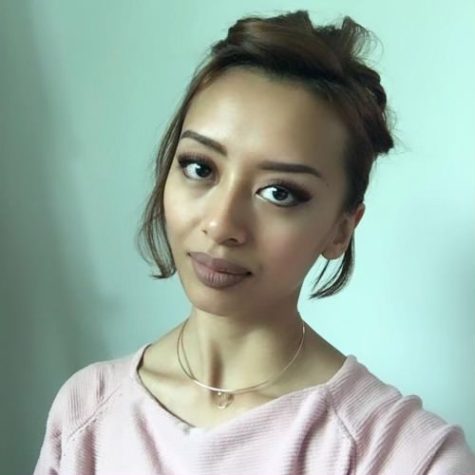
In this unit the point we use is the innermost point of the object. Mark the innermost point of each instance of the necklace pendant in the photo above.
(224, 399)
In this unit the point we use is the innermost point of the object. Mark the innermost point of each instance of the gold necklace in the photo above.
(225, 397)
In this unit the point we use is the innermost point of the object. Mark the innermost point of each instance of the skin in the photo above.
(242, 335)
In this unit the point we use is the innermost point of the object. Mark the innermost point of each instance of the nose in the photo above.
(226, 215)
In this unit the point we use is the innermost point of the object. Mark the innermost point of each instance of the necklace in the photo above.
(225, 397)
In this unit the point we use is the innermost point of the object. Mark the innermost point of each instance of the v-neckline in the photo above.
(294, 397)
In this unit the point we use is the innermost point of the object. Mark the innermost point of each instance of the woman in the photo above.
(262, 171)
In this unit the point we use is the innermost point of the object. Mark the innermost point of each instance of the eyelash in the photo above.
(300, 194)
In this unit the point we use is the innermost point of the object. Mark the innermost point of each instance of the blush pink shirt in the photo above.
(103, 421)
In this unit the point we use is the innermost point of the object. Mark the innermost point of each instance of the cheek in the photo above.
(172, 213)
(295, 252)
(174, 209)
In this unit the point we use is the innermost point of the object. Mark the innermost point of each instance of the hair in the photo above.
(327, 60)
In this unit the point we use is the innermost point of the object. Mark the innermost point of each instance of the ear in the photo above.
(341, 236)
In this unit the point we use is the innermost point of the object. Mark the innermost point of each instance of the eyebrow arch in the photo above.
(264, 165)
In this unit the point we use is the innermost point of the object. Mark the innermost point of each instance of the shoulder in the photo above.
(392, 432)
(85, 392)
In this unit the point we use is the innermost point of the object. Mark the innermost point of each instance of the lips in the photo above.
(219, 265)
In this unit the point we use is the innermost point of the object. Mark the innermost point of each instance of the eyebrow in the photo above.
(264, 165)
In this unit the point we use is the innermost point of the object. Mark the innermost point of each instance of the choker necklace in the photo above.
(224, 397)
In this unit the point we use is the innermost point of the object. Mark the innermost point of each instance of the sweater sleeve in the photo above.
(78, 400)
(451, 455)
(402, 437)
(50, 452)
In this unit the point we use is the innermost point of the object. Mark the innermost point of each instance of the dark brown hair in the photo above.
(327, 60)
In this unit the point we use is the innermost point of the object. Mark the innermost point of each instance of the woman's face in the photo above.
(225, 203)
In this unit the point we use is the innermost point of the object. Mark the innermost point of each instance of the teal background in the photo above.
(85, 91)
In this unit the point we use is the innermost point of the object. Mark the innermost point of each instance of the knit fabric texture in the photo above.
(104, 421)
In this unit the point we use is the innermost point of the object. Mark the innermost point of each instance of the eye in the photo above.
(282, 188)
(185, 160)
(286, 189)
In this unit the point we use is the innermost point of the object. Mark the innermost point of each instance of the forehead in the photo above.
(254, 115)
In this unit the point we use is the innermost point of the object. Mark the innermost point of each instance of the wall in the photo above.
(86, 89)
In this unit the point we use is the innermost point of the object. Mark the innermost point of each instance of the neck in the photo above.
(234, 353)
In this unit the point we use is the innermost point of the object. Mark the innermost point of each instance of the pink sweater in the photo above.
(104, 421)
